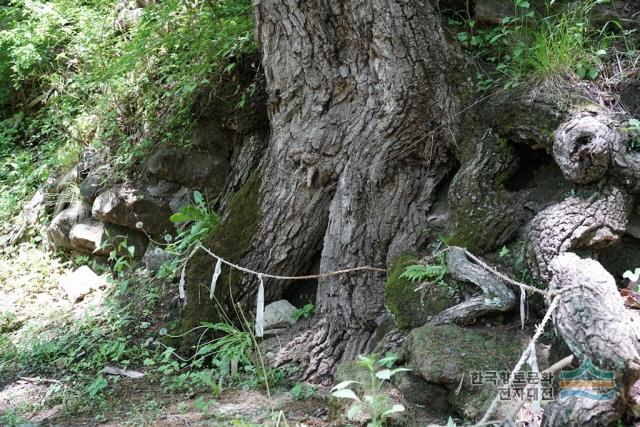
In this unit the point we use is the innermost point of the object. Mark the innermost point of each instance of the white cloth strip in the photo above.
(214, 279)
(260, 309)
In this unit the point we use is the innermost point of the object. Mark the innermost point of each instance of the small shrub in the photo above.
(303, 391)
(305, 312)
(375, 404)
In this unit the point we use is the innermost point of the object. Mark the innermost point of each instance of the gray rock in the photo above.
(95, 237)
(161, 188)
(445, 355)
(180, 199)
(279, 314)
(154, 257)
(62, 223)
(94, 183)
(199, 169)
(491, 12)
(211, 137)
(128, 206)
(80, 283)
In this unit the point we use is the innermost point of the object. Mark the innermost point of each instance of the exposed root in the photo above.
(497, 297)
(577, 223)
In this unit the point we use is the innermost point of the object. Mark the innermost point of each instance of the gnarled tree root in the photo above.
(497, 297)
(578, 222)
(592, 320)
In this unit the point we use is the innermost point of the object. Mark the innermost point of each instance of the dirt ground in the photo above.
(140, 403)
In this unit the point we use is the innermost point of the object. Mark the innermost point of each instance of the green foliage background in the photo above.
(78, 73)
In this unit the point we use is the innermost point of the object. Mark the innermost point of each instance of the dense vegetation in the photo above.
(97, 73)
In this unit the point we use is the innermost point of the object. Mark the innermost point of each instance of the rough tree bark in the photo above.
(362, 101)
(594, 323)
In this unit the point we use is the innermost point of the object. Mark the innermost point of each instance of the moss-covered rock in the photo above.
(409, 308)
(231, 240)
(442, 354)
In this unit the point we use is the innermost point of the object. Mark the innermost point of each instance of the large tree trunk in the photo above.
(362, 108)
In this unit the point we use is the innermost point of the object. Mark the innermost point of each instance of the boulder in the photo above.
(420, 392)
(130, 207)
(447, 354)
(62, 223)
(279, 314)
(96, 237)
(94, 183)
(80, 283)
(199, 169)
(212, 138)
(154, 257)
(491, 12)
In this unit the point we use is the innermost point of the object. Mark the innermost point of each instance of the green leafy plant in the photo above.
(201, 219)
(197, 221)
(97, 387)
(372, 402)
(305, 312)
(303, 391)
(432, 272)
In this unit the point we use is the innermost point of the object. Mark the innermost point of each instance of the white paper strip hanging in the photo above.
(260, 309)
(214, 279)
(523, 296)
(181, 292)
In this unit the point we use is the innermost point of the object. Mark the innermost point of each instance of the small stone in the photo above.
(80, 283)
(279, 314)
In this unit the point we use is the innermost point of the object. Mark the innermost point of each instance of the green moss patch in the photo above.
(442, 354)
(231, 240)
(408, 307)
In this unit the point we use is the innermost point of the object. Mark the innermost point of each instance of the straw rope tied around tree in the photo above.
(261, 276)
(527, 356)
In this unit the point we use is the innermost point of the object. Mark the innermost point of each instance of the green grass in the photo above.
(530, 46)
(560, 45)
